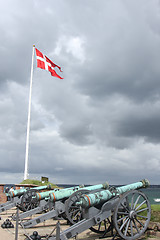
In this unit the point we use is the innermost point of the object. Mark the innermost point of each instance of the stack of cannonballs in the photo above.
(7, 224)
(35, 236)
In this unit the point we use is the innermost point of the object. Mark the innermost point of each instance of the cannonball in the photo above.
(35, 233)
(3, 225)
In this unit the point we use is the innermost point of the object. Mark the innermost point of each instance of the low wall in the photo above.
(3, 195)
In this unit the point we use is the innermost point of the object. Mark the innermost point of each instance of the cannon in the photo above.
(19, 194)
(57, 199)
(124, 211)
(42, 201)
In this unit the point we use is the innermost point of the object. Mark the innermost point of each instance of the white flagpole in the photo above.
(29, 116)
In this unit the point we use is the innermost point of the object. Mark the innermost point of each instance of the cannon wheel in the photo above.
(73, 212)
(103, 227)
(132, 215)
(28, 202)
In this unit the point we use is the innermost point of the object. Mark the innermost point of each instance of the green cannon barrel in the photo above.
(19, 192)
(89, 200)
(46, 195)
(55, 196)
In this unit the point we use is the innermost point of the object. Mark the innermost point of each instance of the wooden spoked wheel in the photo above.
(28, 201)
(132, 215)
(74, 212)
(103, 227)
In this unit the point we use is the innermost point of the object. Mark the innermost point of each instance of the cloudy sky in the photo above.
(102, 121)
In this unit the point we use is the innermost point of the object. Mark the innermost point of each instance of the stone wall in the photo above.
(3, 197)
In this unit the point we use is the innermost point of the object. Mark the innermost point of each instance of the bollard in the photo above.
(17, 218)
(58, 231)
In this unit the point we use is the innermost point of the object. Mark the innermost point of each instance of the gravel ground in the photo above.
(43, 229)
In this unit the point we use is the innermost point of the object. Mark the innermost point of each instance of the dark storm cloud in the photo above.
(76, 133)
(128, 65)
(145, 124)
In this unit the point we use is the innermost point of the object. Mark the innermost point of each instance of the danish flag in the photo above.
(45, 63)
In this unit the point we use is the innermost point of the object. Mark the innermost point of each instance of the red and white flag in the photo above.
(45, 63)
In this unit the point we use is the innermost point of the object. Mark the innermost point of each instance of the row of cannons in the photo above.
(119, 211)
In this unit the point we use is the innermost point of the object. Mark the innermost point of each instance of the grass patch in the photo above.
(155, 213)
(39, 183)
(155, 207)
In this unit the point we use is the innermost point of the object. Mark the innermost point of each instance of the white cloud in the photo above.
(72, 45)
